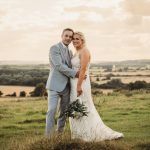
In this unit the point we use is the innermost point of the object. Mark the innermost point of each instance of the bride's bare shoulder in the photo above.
(85, 54)
(85, 51)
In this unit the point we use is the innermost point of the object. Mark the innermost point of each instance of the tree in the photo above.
(113, 84)
(1, 93)
(14, 94)
(39, 90)
(108, 76)
(45, 94)
(137, 85)
(97, 79)
(22, 94)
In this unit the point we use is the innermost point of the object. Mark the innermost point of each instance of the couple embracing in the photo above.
(69, 79)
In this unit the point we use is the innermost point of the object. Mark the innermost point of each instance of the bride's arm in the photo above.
(84, 60)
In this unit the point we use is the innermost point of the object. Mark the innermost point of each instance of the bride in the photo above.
(91, 127)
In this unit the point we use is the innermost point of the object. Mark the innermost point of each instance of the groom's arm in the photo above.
(56, 59)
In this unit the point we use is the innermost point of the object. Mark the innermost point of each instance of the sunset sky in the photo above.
(114, 29)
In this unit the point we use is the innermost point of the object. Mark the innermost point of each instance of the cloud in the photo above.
(26, 45)
(2, 14)
(22, 15)
(88, 9)
(137, 7)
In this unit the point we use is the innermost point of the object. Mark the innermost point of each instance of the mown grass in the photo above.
(22, 124)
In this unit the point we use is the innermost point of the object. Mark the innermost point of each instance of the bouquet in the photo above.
(76, 110)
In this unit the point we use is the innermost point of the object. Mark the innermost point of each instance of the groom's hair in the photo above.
(67, 29)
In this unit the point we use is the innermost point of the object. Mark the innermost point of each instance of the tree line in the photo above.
(118, 84)
(38, 77)
(27, 77)
(40, 89)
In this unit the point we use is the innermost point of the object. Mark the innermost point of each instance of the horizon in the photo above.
(46, 62)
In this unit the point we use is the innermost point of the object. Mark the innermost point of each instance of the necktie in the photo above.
(67, 54)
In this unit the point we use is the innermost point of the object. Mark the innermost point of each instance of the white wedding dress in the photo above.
(91, 127)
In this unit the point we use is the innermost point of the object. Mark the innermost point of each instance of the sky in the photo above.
(115, 30)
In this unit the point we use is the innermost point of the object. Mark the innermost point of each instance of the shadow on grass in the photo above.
(143, 146)
(12, 127)
(29, 113)
(32, 121)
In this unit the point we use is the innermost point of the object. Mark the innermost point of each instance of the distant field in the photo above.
(123, 79)
(136, 72)
(132, 79)
(22, 121)
(10, 89)
(126, 77)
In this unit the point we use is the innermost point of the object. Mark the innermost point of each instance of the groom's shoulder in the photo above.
(55, 46)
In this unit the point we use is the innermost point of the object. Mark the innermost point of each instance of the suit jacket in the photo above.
(60, 68)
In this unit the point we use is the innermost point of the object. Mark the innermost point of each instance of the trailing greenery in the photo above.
(76, 109)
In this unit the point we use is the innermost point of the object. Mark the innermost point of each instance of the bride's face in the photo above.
(77, 41)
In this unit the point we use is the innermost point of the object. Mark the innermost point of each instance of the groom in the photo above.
(58, 85)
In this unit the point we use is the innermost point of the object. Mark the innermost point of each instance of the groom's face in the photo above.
(67, 37)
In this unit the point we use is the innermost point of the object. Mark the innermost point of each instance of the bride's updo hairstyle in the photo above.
(81, 36)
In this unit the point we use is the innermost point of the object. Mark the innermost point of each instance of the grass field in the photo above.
(22, 123)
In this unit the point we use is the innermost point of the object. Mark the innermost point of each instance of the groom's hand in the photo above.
(77, 74)
(85, 77)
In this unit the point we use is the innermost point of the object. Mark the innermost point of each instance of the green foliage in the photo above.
(138, 85)
(108, 76)
(117, 84)
(128, 94)
(95, 85)
(96, 92)
(97, 79)
(112, 93)
(39, 90)
(29, 77)
(1, 93)
(76, 110)
(22, 124)
(22, 94)
(12, 95)
(113, 84)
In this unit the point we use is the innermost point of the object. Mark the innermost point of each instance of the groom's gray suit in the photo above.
(58, 85)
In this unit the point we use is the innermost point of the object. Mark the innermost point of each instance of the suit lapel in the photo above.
(70, 56)
(62, 50)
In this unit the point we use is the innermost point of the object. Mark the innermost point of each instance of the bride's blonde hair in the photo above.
(81, 36)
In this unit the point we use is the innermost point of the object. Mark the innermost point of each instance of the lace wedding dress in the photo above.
(91, 127)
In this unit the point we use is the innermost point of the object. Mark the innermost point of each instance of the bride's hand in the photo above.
(79, 91)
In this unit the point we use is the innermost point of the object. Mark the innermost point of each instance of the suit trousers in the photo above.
(53, 99)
